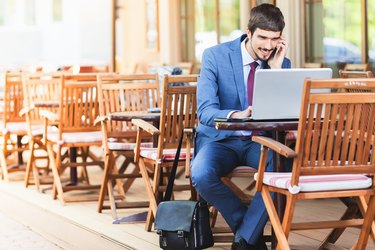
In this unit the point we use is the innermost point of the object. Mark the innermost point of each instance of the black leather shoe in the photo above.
(242, 245)
(261, 244)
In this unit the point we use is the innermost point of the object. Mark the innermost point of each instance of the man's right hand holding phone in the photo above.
(277, 58)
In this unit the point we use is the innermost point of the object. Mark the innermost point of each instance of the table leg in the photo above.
(73, 170)
(280, 200)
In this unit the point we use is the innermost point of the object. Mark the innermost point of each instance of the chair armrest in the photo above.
(100, 119)
(25, 110)
(190, 133)
(146, 126)
(275, 146)
(49, 115)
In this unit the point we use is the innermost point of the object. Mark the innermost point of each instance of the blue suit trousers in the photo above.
(218, 158)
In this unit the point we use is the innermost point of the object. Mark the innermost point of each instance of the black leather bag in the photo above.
(182, 224)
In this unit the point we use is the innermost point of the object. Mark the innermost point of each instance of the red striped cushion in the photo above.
(314, 183)
(244, 169)
(168, 154)
(75, 137)
(128, 145)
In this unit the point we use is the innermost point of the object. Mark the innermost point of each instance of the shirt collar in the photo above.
(246, 57)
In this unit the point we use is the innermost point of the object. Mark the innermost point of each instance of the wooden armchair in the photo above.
(186, 67)
(13, 127)
(42, 91)
(355, 74)
(69, 146)
(178, 113)
(332, 156)
(357, 67)
(122, 93)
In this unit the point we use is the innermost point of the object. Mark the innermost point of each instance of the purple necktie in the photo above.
(250, 82)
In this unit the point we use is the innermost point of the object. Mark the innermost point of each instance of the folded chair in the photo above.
(178, 114)
(42, 92)
(123, 93)
(69, 146)
(332, 158)
(13, 127)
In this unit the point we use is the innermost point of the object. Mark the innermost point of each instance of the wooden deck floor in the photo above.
(79, 226)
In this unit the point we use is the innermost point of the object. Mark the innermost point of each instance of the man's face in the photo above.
(261, 43)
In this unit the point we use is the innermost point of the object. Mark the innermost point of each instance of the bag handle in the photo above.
(172, 176)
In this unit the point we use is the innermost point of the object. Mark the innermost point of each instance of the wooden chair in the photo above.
(312, 65)
(178, 112)
(186, 67)
(42, 91)
(355, 74)
(352, 210)
(333, 153)
(357, 67)
(13, 127)
(78, 108)
(122, 93)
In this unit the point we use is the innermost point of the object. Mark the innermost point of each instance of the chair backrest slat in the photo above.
(119, 93)
(178, 109)
(336, 129)
(13, 98)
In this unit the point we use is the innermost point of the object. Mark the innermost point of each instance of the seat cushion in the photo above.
(75, 137)
(314, 183)
(14, 127)
(168, 154)
(128, 145)
(244, 169)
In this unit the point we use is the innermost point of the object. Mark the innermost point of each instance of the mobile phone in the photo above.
(273, 53)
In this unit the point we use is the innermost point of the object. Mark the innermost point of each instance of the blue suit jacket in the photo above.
(221, 87)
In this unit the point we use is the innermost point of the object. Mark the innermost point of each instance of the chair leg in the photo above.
(56, 174)
(3, 157)
(129, 182)
(29, 163)
(112, 200)
(108, 160)
(368, 221)
(150, 191)
(274, 218)
(335, 234)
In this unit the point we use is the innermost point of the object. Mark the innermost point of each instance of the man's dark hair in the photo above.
(266, 17)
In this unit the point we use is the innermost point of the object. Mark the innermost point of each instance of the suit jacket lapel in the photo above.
(237, 67)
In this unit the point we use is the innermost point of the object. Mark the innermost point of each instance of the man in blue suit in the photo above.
(222, 92)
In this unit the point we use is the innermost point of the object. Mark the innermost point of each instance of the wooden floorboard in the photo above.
(79, 226)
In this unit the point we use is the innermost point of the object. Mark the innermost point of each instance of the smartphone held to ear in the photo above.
(273, 53)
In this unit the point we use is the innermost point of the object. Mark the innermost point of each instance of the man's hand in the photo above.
(242, 114)
(277, 59)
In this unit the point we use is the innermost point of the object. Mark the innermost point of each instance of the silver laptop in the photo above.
(278, 92)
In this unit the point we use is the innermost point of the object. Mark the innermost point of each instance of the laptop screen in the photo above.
(278, 92)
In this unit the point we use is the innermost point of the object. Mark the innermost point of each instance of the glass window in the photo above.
(57, 10)
(334, 32)
(152, 25)
(205, 30)
(215, 22)
(371, 32)
(229, 20)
